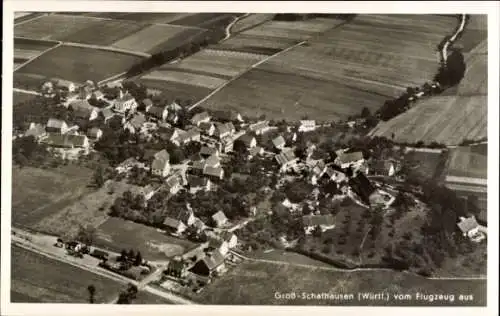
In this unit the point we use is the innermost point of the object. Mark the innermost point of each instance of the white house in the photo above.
(471, 229)
(94, 133)
(259, 127)
(286, 159)
(345, 160)
(161, 163)
(219, 219)
(56, 126)
(125, 102)
(279, 142)
(199, 118)
(173, 184)
(307, 125)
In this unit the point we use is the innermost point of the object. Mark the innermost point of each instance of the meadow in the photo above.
(36, 278)
(468, 161)
(30, 48)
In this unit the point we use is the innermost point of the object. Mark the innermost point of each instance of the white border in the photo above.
(482, 7)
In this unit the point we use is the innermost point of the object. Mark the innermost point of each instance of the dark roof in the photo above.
(147, 102)
(107, 113)
(362, 186)
(195, 181)
(381, 166)
(80, 104)
(156, 111)
(246, 139)
(205, 126)
(161, 158)
(93, 131)
(205, 150)
(213, 171)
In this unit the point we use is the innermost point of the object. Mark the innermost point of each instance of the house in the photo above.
(286, 159)
(307, 125)
(324, 222)
(227, 144)
(99, 254)
(259, 128)
(107, 114)
(213, 161)
(471, 229)
(56, 126)
(381, 168)
(173, 184)
(191, 135)
(254, 152)
(344, 160)
(214, 172)
(66, 140)
(158, 112)
(291, 207)
(36, 130)
(209, 266)
(97, 94)
(221, 130)
(66, 85)
(248, 140)
(279, 142)
(206, 152)
(172, 117)
(199, 118)
(230, 238)
(147, 103)
(173, 135)
(149, 190)
(219, 219)
(135, 124)
(219, 245)
(196, 184)
(94, 133)
(187, 216)
(174, 225)
(317, 171)
(161, 164)
(228, 115)
(362, 186)
(128, 164)
(334, 174)
(207, 128)
(174, 107)
(198, 167)
(176, 268)
(125, 102)
(89, 114)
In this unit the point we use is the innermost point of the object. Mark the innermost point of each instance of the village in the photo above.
(202, 147)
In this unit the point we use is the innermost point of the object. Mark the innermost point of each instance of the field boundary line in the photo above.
(28, 20)
(108, 48)
(31, 59)
(242, 73)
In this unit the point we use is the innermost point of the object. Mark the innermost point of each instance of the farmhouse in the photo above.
(199, 118)
(174, 107)
(207, 128)
(206, 151)
(173, 184)
(307, 125)
(230, 238)
(279, 142)
(255, 151)
(66, 141)
(94, 133)
(56, 126)
(209, 266)
(161, 164)
(214, 172)
(158, 112)
(219, 219)
(226, 144)
(219, 245)
(248, 140)
(345, 160)
(213, 161)
(286, 159)
(259, 128)
(174, 225)
(471, 229)
(381, 168)
(125, 102)
(324, 222)
(107, 114)
(191, 135)
(36, 130)
(135, 124)
(196, 184)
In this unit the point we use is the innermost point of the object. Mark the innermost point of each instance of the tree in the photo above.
(99, 177)
(86, 234)
(365, 112)
(91, 289)
(123, 255)
(138, 258)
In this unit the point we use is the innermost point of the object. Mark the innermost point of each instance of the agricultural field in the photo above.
(41, 193)
(216, 62)
(251, 21)
(144, 297)
(77, 64)
(427, 163)
(20, 97)
(203, 20)
(91, 209)
(255, 283)
(117, 234)
(30, 48)
(77, 29)
(185, 78)
(291, 96)
(255, 44)
(38, 279)
(173, 90)
(148, 17)
(156, 38)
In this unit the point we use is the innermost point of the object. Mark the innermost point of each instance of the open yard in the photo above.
(77, 29)
(117, 234)
(41, 193)
(91, 209)
(79, 64)
(256, 283)
(38, 279)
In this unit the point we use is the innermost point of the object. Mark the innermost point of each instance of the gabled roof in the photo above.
(246, 139)
(162, 158)
(126, 97)
(213, 160)
(156, 111)
(205, 150)
(214, 260)
(381, 166)
(172, 182)
(255, 150)
(317, 220)
(221, 128)
(138, 120)
(107, 113)
(65, 140)
(213, 171)
(350, 157)
(172, 222)
(219, 216)
(279, 141)
(226, 236)
(199, 165)
(84, 112)
(80, 104)
(200, 117)
(93, 132)
(467, 224)
(285, 156)
(195, 181)
(258, 126)
(174, 107)
(205, 126)
(227, 115)
(37, 130)
(55, 123)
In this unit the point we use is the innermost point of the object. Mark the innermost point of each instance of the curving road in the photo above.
(451, 40)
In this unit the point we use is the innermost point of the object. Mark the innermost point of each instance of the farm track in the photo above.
(228, 28)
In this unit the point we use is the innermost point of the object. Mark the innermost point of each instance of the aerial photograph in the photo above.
(249, 159)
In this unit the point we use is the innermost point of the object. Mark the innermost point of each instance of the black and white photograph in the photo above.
(249, 157)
